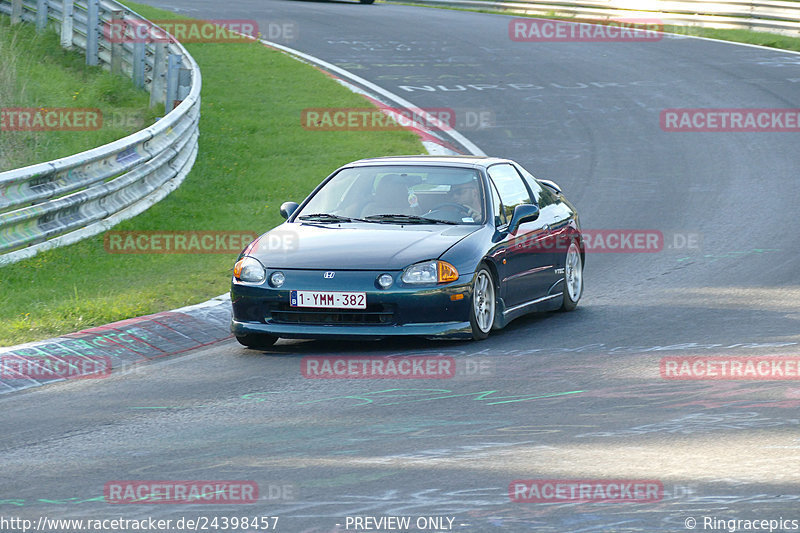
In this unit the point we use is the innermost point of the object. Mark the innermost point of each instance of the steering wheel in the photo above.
(462, 209)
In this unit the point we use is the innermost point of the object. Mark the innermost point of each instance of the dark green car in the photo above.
(417, 245)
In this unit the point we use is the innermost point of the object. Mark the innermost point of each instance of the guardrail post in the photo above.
(16, 11)
(138, 63)
(184, 83)
(159, 82)
(173, 69)
(41, 15)
(92, 23)
(117, 29)
(66, 24)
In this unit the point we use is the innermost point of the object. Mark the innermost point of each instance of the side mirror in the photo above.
(287, 208)
(552, 184)
(522, 213)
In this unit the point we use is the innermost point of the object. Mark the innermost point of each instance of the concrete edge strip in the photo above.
(102, 350)
(97, 352)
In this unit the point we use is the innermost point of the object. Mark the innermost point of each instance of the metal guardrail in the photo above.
(63, 201)
(776, 16)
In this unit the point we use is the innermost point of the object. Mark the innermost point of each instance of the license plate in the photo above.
(328, 299)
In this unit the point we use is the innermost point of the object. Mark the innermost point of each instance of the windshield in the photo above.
(447, 194)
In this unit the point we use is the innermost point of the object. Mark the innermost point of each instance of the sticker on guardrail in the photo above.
(580, 30)
(50, 119)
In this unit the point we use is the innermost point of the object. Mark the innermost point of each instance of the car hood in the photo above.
(355, 246)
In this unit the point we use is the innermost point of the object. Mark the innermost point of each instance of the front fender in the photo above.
(470, 251)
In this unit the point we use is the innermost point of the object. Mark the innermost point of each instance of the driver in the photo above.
(468, 195)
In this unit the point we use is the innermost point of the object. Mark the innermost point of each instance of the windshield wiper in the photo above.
(390, 218)
(328, 217)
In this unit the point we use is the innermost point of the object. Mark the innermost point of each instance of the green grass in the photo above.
(761, 38)
(253, 155)
(36, 72)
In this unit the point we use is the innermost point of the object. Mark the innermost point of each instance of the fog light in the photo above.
(276, 279)
(385, 281)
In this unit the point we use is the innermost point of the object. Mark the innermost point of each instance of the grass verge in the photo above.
(253, 155)
(35, 72)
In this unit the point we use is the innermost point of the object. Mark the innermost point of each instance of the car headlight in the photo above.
(430, 272)
(249, 270)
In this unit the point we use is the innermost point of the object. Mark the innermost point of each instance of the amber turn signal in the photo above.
(446, 272)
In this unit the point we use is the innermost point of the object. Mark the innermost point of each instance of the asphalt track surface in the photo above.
(578, 395)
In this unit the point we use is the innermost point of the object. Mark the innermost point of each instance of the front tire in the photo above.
(483, 305)
(573, 277)
(256, 342)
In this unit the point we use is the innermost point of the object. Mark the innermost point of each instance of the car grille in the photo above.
(371, 316)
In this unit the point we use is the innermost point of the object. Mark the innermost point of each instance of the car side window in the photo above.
(510, 187)
(544, 196)
(497, 206)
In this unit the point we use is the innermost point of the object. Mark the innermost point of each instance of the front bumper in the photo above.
(452, 330)
(400, 310)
